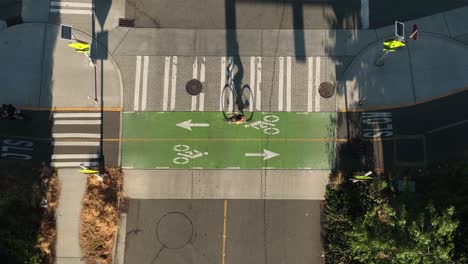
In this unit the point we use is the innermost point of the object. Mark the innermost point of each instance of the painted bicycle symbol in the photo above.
(185, 154)
(267, 125)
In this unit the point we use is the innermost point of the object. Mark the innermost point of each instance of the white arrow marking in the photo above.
(266, 154)
(188, 125)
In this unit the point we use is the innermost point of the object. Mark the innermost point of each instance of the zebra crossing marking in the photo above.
(72, 8)
(309, 83)
(200, 97)
(63, 164)
(317, 83)
(60, 140)
(77, 122)
(76, 143)
(145, 83)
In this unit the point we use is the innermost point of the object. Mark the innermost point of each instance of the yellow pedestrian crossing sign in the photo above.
(393, 44)
(80, 47)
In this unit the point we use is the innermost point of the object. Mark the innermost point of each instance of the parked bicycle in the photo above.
(11, 112)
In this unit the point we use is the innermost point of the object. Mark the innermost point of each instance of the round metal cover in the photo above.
(326, 89)
(193, 87)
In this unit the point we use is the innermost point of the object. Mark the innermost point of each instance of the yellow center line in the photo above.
(224, 231)
(227, 139)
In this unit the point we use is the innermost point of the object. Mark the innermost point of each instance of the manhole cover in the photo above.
(326, 89)
(174, 230)
(193, 87)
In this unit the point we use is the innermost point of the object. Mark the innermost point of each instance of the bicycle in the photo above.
(236, 101)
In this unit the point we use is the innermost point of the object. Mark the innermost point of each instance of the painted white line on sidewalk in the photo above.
(75, 143)
(74, 156)
(252, 80)
(258, 98)
(280, 84)
(195, 68)
(365, 14)
(136, 98)
(288, 84)
(145, 82)
(173, 82)
(71, 115)
(71, 11)
(309, 83)
(71, 4)
(202, 70)
(194, 76)
(76, 135)
(77, 122)
(202, 102)
(194, 103)
(73, 164)
(166, 82)
(317, 83)
(223, 82)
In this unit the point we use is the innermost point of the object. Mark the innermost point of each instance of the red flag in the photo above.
(414, 34)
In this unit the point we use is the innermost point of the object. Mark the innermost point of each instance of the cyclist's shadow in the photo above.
(237, 80)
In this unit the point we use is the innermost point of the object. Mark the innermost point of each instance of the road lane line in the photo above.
(280, 84)
(136, 99)
(447, 126)
(166, 82)
(317, 83)
(258, 93)
(252, 80)
(173, 82)
(74, 156)
(288, 84)
(77, 122)
(224, 231)
(202, 102)
(75, 143)
(202, 70)
(67, 115)
(71, 4)
(76, 135)
(223, 82)
(145, 82)
(73, 164)
(365, 14)
(309, 83)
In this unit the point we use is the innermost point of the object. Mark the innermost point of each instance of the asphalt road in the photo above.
(407, 136)
(273, 14)
(31, 138)
(191, 231)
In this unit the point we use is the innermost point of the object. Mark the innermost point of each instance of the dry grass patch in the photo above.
(50, 190)
(100, 216)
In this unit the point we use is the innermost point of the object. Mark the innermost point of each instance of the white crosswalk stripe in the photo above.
(72, 148)
(200, 98)
(157, 83)
(72, 8)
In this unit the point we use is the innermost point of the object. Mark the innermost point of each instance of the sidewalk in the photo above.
(73, 184)
(56, 76)
(429, 67)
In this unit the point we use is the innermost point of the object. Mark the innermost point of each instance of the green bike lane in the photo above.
(204, 140)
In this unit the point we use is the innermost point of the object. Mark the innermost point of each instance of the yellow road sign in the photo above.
(79, 47)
